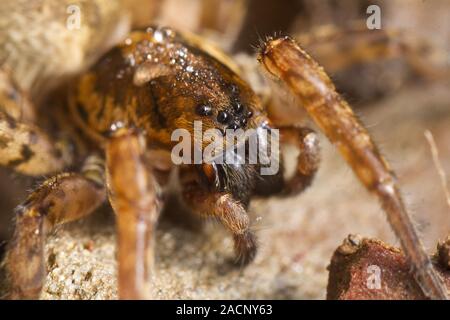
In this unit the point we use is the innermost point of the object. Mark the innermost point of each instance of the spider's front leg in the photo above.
(221, 205)
(134, 197)
(339, 48)
(285, 60)
(308, 159)
(63, 198)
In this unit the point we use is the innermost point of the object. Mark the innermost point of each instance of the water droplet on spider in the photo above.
(149, 56)
(189, 68)
(158, 35)
(168, 32)
(116, 126)
(119, 74)
(181, 53)
(131, 60)
(128, 41)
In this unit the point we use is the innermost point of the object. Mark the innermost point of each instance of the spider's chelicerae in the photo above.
(124, 110)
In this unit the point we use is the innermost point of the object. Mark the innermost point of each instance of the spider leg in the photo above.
(230, 212)
(284, 59)
(28, 150)
(339, 48)
(224, 17)
(63, 198)
(134, 197)
(308, 159)
(23, 146)
(13, 101)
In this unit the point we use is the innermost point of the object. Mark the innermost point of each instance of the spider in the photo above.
(125, 108)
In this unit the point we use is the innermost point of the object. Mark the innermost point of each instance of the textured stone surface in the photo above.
(370, 269)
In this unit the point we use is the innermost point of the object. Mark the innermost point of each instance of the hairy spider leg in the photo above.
(284, 59)
(63, 198)
(134, 196)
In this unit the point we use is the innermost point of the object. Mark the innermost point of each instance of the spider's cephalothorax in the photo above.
(131, 101)
(158, 81)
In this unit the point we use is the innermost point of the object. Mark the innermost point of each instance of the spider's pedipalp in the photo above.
(230, 212)
(308, 160)
(284, 59)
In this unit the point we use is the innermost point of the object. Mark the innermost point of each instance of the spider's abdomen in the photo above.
(158, 80)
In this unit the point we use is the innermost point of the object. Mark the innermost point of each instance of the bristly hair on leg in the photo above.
(259, 48)
(286, 61)
(438, 165)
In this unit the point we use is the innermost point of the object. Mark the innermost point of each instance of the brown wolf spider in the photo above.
(123, 112)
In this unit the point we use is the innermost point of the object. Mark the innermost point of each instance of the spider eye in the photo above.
(238, 107)
(223, 117)
(234, 89)
(204, 110)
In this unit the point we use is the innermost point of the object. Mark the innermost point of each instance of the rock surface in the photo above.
(368, 269)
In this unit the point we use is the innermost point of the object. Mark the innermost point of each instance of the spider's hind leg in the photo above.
(284, 59)
(65, 197)
(28, 150)
(24, 147)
